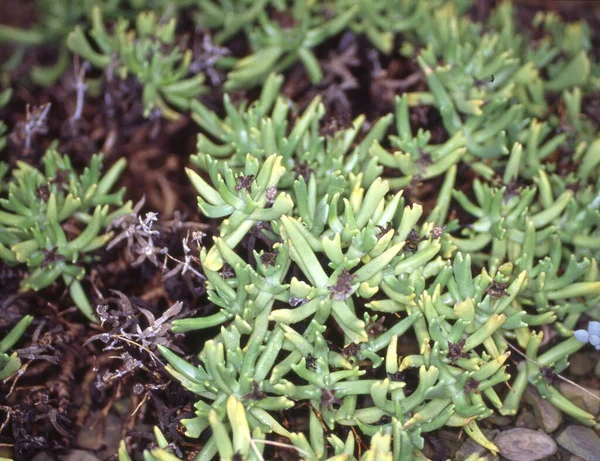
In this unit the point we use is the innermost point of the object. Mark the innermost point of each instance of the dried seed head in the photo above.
(397, 376)
(61, 179)
(437, 231)
(497, 290)
(271, 194)
(227, 272)
(43, 192)
(383, 230)
(424, 160)
(328, 399)
(244, 182)
(471, 386)
(455, 351)
(294, 302)
(374, 329)
(256, 393)
(268, 258)
(303, 169)
(412, 241)
(549, 375)
(50, 256)
(512, 188)
(350, 350)
(342, 288)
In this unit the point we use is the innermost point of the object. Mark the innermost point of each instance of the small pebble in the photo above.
(581, 364)
(525, 445)
(547, 416)
(580, 441)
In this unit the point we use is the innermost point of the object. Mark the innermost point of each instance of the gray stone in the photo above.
(78, 455)
(547, 416)
(525, 445)
(499, 420)
(450, 440)
(526, 420)
(581, 364)
(580, 441)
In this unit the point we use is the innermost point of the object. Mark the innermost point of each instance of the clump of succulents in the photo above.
(345, 267)
(348, 243)
(52, 220)
(57, 18)
(343, 253)
(149, 53)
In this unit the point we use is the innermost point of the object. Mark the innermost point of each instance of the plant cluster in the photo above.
(149, 53)
(342, 251)
(53, 220)
(342, 305)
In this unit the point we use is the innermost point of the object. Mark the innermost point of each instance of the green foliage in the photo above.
(58, 18)
(36, 207)
(149, 53)
(347, 244)
(345, 250)
(349, 268)
(9, 364)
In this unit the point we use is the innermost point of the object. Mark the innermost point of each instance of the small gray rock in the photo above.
(526, 420)
(581, 364)
(547, 416)
(581, 441)
(525, 445)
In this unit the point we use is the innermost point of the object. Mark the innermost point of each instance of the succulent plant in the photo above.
(149, 53)
(345, 254)
(38, 205)
(328, 284)
(57, 20)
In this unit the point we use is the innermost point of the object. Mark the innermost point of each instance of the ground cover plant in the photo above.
(327, 230)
